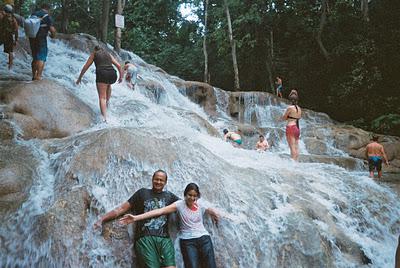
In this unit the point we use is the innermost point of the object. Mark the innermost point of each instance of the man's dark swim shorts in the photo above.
(375, 162)
(39, 48)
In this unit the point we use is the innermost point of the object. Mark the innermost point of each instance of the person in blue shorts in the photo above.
(39, 43)
(374, 153)
(279, 86)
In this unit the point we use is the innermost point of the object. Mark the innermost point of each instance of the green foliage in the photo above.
(358, 82)
(389, 123)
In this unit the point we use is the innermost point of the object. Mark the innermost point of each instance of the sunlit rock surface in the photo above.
(44, 109)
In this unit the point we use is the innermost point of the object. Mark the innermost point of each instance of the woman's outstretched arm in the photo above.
(85, 67)
(129, 218)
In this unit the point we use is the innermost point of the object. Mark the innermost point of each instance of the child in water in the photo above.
(131, 74)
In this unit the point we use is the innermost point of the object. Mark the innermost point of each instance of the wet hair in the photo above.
(45, 6)
(97, 48)
(8, 8)
(160, 171)
(294, 98)
(192, 186)
(261, 136)
(126, 62)
(225, 131)
(375, 138)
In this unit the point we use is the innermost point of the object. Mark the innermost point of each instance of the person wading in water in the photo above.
(293, 115)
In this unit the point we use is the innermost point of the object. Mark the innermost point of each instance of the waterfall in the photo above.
(275, 212)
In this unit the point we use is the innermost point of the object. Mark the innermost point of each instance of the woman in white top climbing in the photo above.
(196, 245)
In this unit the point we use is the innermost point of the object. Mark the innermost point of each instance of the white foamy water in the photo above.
(269, 203)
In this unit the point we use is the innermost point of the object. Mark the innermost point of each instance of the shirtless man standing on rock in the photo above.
(374, 153)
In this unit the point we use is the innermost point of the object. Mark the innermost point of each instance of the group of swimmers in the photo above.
(292, 115)
(106, 75)
(374, 152)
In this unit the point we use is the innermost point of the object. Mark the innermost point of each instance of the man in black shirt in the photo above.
(153, 246)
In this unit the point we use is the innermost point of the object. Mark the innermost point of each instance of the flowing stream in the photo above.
(276, 212)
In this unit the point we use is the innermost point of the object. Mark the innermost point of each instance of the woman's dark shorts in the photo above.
(106, 75)
(8, 43)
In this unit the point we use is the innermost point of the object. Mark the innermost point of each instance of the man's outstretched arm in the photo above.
(113, 214)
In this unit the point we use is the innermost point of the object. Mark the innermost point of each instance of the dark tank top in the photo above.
(102, 59)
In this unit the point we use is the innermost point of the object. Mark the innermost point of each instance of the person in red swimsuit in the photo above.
(293, 115)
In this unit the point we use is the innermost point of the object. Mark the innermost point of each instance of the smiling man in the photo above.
(153, 246)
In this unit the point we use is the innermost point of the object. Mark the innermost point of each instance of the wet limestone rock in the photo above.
(6, 130)
(17, 171)
(45, 109)
(200, 93)
(315, 146)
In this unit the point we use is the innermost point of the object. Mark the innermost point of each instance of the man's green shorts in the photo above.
(155, 251)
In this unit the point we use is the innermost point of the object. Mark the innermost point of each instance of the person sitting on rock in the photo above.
(153, 246)
(131, 74)
(262, 144)
(233, 136)
(374, 153)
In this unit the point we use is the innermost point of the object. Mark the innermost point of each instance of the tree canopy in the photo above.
(342, 55)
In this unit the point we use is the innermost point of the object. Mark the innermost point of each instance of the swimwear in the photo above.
(106, 75)
(155, 251)
(293, 130)
(375, 162)
(297, 119)
(39, 48)
(239, 142)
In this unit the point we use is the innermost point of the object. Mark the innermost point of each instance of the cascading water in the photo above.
(276, 213)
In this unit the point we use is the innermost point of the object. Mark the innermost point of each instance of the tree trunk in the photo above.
(206, 73)
(117, 33)
(364, 9)
(64, 16)
(324, 6)
(270, 60)
(233, 45)
(104, 20)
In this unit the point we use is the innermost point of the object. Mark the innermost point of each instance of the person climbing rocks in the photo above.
(262, 144)
(39, 43)
(374, 153)
(293, 115)
(131, 74)
(235, 137)
(8, 32)
(105, 75)
(153, 246)
(279, 86)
